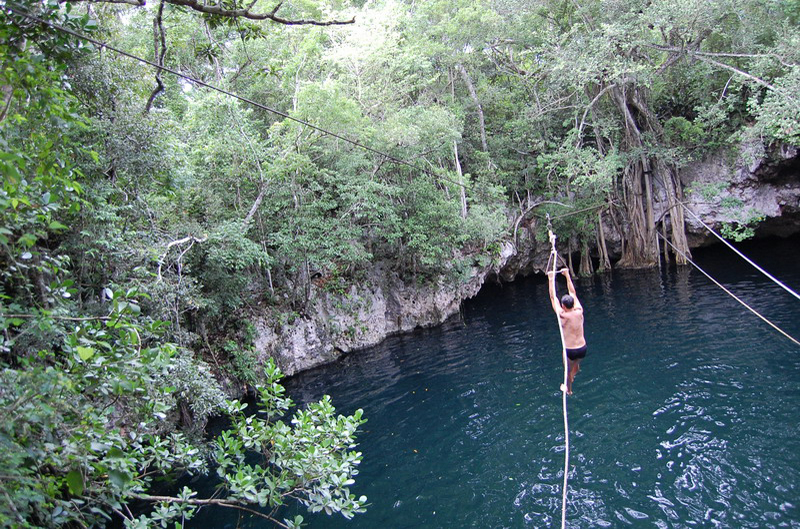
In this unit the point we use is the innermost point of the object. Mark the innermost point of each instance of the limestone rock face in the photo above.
(382, 305)
(722, 191)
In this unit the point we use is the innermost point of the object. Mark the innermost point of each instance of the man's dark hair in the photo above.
(567, 301)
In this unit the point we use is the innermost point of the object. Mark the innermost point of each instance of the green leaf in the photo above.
(28, 239)
(56, 226)
(85, 352)
(297, 522)
(75, 482)
(115, 453)
(119, 478)
(97, 447)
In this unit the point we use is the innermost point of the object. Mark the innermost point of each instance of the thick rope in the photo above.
(554, 258)
(751, 309)
(729, 245)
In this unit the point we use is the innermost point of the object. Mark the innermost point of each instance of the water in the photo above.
(685, 412)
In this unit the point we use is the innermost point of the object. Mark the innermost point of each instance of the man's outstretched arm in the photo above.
(571, 288)
(551, 284)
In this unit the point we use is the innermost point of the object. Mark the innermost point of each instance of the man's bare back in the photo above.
(572, 323)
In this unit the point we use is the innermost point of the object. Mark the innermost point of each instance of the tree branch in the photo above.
(217, 502)
(14, 508)
(218, 9)
(65, 318)
(736, 70)
(8, 93)
(589, 107)
(186, 239)
(747, 56)
(706, 57)
(137, 3)
(262, 179)
(160, 49)
(534, 205)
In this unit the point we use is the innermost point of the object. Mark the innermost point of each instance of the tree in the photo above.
(91, 387)
(608, 78)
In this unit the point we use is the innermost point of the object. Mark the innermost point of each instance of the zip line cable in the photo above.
(227, 93)
(554, 257)
(751, 309)
(743, 256)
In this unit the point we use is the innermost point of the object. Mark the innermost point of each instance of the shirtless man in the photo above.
(570, 314)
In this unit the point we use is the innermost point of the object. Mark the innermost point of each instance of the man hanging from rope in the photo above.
(570, 315)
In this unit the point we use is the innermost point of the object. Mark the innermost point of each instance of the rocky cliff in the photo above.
(760, 188)
(382, 305)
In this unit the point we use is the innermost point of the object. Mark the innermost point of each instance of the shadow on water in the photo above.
(684, 414)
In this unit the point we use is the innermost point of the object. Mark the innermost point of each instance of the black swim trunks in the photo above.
(577, 353)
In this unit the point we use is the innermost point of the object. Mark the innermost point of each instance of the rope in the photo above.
(554, 258)
(227, 93)
(590, 208)
(555, 262)
(729, 245)
(751, 309)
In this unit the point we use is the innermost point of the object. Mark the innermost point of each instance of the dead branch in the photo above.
(191, 239)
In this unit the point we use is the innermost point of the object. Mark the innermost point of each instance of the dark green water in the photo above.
(685, 413)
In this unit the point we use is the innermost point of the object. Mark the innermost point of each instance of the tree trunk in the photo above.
(462, 187)
(638, 196)
(586, 268)
(605, 262)
(474, 95)
(639, 251)
(676, 215)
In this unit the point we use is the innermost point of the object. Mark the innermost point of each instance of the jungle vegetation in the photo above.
(144, 217)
